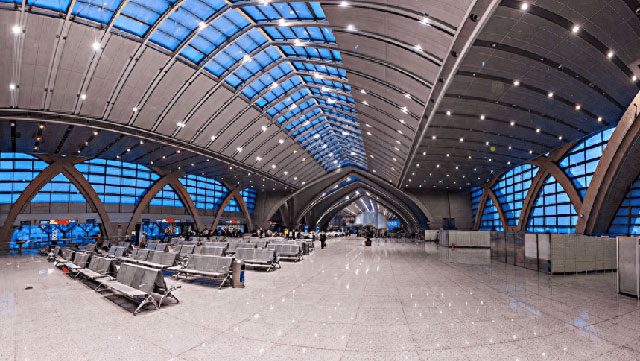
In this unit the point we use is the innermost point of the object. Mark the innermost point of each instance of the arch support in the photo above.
(615, 173)
(234, 193)
(553, 169)
(56, 166)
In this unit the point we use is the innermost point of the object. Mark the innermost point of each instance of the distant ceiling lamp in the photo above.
(16, 30)
(575, 29)
(524, 6)
(96, 46)
(202, 25)
(181, 125)
(610, 54)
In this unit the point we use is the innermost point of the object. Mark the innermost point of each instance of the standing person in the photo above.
(323, 240)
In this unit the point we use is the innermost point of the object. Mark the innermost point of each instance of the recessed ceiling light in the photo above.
(550, 95)
(282, 22)
(524, 6)
(213, 137)
(448, 155)
(537, 130)
(202, 25)
(274, 85)
(599, 119)
(280, 140)
(399, 131)
(95, 133)
(351, 27)
(407, 95)
(258, 159)
(530, 151)
(434, 137)
(437, 165)
(96, 46)
(181, 125)
(12, 87)
(482, 117)
(239, 149)
(16, 30)
(135, 109)
(273, 166)
(516, 82)
(634, 78)
(610, 54)
(298, 42)
(365, 103)
(303, 159)
(575, 29)
(578, 106)
(401, 121)
(559, 137)
(448, 112)
(264, 128)
(461, 140)
(362, 91)
(344, 4)
(417, 47)
(83, 96)
(512, 123)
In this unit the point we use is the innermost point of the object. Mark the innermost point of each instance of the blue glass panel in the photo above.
(58, 5)
(553, 211)
(249, 198)
(97, 10)
(206, 193)
(511, 190)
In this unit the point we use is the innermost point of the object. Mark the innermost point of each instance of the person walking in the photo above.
(323, 240)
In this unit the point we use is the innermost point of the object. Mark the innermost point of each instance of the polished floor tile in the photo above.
(348, 302)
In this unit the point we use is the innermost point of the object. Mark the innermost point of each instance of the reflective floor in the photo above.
(347, 302)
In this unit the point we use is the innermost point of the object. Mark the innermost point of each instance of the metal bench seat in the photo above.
(287, 251)
(158, 259)
(66, 257)
(139, 284)
(210, 250)
(98, 267)
(117, 251)
(206, 266)
(258, 257)
(163, 247)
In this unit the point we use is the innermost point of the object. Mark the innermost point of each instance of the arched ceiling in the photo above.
(539, 75)
(436, 93)
(366, 203)
(286, 88)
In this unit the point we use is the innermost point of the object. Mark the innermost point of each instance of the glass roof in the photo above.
(279, 56)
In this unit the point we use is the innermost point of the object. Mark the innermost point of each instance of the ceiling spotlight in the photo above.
(530, 151)
(365, 103)
(559, 137)
(524, 6)
(550, 95)
(512, 123)
(202, 25)
(264, 128)
(599, 119)
(578, 106)
(280, 140)
(417, 47)
(344, 4)
(95, 133)
(317, 75)
(448, 112)
(351, 27)
(273, 166)
(461, 140)
(258, 159)
(424, 21)
(634, 78)
(12, 87)
(482, 117)
(274, 85)
(282, 22)
(246, 58)
(83, 96)
(516, 82)
(181, 124)
(575, 29)
(213, 137)
(362, 91)
(610, 54)
(537, 130)
(407, 95)
(141, 142)
(434, 137)
(96, 46)
(16, 30)
(304, 159)
(239, 149)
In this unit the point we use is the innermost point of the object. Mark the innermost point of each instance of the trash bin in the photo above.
(237, 274)
(305, 248)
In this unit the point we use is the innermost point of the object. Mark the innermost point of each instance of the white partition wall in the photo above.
(628, 255)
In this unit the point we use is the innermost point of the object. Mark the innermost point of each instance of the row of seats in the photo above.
(138, 283)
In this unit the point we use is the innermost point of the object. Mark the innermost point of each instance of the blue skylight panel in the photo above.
(267, 80)
(58, 5)
(288, 101)
(297, 110)
(184, 21)
(232, 54)
(212, 36)
(306, 116)
(96, 10)
(305, 128)
(302, 33)
(328, 83)
(321, 69)
(139, 15)
(310, 52)
(250, 68)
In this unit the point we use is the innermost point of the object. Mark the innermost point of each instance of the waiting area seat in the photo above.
(214, 267)
(287, 251)
(99, 267)
(265, 258)
(139, 284)
(210, 250)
